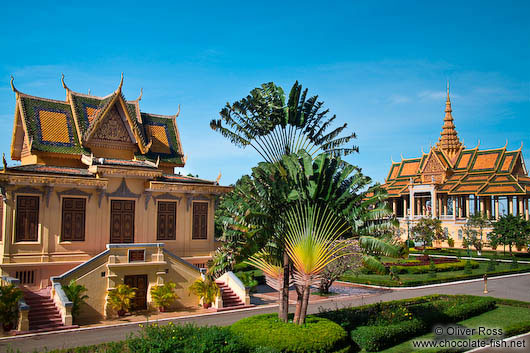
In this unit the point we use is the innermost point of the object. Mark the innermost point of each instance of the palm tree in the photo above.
(205, 289)
(275, 127)
(120, 298)
(252, 214)
(74, 292)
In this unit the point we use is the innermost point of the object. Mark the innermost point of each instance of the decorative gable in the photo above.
(433, 170)
(112, 128)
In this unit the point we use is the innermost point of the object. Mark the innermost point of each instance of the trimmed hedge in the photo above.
(424, 316)
(420, 282)
(376, 338)
(421, 314)
(316, 335)
(187, 338)
(451, 266)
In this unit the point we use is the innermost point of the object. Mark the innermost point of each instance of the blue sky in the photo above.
(380, 66)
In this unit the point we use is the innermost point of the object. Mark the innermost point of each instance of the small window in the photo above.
(26, 277)
(200, 220)
(167, 221)
(27, 219)
(73, 219)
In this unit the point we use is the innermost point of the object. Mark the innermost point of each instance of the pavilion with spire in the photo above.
(452, 182)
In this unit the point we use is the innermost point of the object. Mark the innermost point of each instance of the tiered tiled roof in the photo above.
(456, 170)
(65, 127)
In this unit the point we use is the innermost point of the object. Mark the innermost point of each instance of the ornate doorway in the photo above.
(140, 283)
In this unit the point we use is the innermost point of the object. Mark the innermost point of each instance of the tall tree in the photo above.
(252, 214)
(427, 230)
(510, 230)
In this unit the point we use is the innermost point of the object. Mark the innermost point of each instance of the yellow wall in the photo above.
(50, 248)
(108, 271)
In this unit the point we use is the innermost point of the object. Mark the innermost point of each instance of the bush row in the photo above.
(385, 281)
(451, 266)
(423, 316)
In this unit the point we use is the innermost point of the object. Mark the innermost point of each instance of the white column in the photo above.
(433, 203)
(510, 204)
(520, 206)
(454, 208)
(467, 206)
(411, 203)
(496, 207)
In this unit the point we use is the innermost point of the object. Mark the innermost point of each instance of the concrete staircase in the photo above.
(230, 300)
(43, 314)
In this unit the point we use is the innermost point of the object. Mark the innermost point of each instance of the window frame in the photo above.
(61, 237)
(193, 237)
(174, 235)
(16, 239)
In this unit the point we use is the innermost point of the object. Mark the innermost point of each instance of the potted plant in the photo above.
(205, 289)
(9, 297)
(120, 298)
(74, 292)
(163, 296)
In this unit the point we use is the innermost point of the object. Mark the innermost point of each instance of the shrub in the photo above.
(376, 338)
(399, 320)
(9, 297)
(468, 268)
(205, 289)
(432, 270)
(120, 298)
(491, 265)
(163, 296)
(514, 263)
(316, 335)
(188, 338)
(74, 292)
(451, 242)
(444, 267)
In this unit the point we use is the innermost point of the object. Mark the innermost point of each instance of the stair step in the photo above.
(235, 307)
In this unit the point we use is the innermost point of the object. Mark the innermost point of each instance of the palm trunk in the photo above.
(283, 312)
(299, 299)
(305, 302)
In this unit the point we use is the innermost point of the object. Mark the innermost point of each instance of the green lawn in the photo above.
(501, 317)
(421, 279)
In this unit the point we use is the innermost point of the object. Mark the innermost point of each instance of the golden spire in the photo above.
(449, 141)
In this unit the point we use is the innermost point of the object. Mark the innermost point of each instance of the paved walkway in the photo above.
(515, 287)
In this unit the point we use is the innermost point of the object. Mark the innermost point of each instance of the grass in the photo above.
(409, 280)
(502, 317)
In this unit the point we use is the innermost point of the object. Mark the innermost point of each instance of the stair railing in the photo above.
(23, 308)
(62, 302)
(235, 284)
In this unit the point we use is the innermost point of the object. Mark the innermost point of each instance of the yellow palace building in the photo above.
(452, 182)
(96, 199)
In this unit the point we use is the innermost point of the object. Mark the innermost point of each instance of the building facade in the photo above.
(96, 199)
(452, 182)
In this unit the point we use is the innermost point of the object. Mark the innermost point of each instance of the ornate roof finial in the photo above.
(506, 145)
(121, 83)
(89, 91)
(449, 141)
(13, 85)
(64, 84)
(178, 112)
(392, 160)
(141, 94)
(521, 147)
(402, 156)
(218, 178)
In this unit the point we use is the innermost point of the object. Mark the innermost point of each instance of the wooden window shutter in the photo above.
(73, 219)
(27, 219)
(166, 221)
(200, 220)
